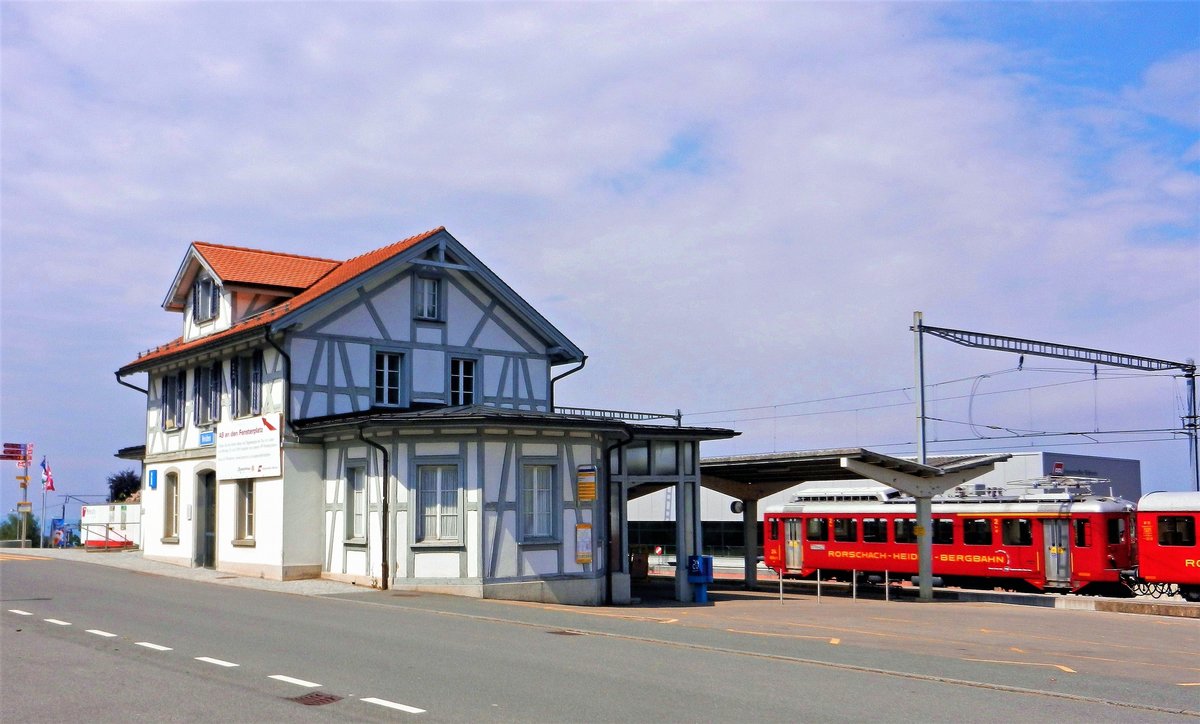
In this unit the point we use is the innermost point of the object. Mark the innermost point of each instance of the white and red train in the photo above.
(1041, 541)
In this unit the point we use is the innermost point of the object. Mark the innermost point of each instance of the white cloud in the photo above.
(1171, 90)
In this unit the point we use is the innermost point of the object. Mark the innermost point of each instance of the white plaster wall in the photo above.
(462, 314)
(546, 449)
(302, 509)
(524, 336)
(184, 551)
(436, 564)
(430, 449)
(540, 562)
(354, 322)
(429, 371)
(493, 379)
(493, 461)
(394, 305)
(268, 521)
(493, 336)
(429, 335)
(474, 541)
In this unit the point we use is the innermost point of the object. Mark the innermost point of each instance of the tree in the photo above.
(122, 485)
(10, 529)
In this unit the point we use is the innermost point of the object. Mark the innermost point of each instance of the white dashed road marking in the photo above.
(394, 705)
(228, 664)
(290, 680)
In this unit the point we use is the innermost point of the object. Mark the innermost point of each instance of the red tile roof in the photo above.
(237, 265)
(340, 274)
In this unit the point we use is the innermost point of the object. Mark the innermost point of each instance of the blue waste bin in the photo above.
(700, 574)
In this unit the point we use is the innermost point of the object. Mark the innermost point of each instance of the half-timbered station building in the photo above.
(390, 420)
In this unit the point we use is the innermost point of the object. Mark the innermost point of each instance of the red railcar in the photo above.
(1168, 551)
(1035, 542)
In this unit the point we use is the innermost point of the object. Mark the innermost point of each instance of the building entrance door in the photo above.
(206, 518)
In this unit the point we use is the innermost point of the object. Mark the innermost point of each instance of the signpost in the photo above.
(22, 454)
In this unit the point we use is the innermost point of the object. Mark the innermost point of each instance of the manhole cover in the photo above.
(317, 698)
(565, 633)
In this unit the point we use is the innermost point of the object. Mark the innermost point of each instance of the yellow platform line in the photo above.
(1060, 667)
(832, 641)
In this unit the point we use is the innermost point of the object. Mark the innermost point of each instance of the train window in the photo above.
(817, 529)
(845, 530)
(1016, 532)
(1083, 532)
(774, 529)
(874, 530)
(1176, 530)
(1116, 531)
(943, 531)
(977, 532)
(904, 530)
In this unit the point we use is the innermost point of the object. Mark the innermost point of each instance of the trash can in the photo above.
(639, 566)
(700, 574)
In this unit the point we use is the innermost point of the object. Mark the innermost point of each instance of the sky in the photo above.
(734, 209)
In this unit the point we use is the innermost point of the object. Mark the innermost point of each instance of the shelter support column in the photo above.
(750, 536)
(922, 484)
(925, 547)
(618, 544)
(685, 536)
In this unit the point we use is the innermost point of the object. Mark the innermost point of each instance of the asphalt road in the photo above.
(86, 642)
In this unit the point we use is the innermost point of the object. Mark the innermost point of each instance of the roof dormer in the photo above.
(221, 285)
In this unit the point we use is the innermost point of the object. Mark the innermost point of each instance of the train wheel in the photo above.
(1190, 594)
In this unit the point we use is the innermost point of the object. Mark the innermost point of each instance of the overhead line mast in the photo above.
(983, 340)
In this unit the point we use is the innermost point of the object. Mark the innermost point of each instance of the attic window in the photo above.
(428, 300)
(206, 299)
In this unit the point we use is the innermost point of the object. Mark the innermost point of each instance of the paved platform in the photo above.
(729, 577)
(656, 591)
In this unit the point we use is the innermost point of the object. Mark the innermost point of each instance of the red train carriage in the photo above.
(1036, 542)
(1168, 551)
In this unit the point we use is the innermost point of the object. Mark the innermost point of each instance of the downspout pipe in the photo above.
(383, 508)
(608, 533)
(287, 377)
(556, 378)
(130, 386)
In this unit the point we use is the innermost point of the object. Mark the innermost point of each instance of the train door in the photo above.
(794, 550)
(1057, 541)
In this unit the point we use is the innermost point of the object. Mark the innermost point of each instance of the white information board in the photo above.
(249, 448)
